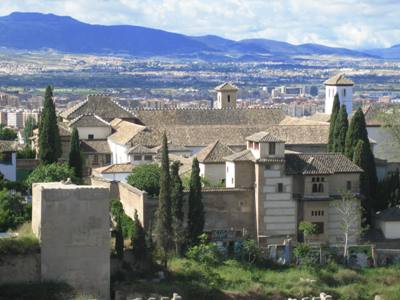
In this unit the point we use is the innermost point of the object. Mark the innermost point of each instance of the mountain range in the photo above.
(36, 31)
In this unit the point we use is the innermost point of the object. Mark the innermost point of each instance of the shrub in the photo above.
(205, 253)
(346, 276)
(146, 178)
(249, 251)
(27, 153)
(20, 245)
(303, 254)
(119, 216)
(14, 210)
(51, 173)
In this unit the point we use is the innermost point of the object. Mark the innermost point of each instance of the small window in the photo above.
(313, 179)
(95, 159)
(348, 185)
(90, 136)
(137, 157)
(232, 180)
(272, 148)
(108, 159)
(148, 157)
(315, 188)
(229, 98)
(256, 146)
(320, 188)
(227, 169)
(280, 187)
(344, 92)
(319, 227)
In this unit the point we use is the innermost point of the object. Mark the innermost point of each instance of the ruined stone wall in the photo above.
(73, 226)
(20, 268)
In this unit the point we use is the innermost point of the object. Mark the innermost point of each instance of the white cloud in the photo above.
(347, 23)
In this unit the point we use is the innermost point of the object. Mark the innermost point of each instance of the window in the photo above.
(256, 146)
(344, 92)
(317, 213)
(320, 188)
(348, 185)
(227, 169)
(137, 157)
(108, 159)
(148, 157)
(232, 180)
(95, 159)
(319, 227)
(280, 187)
(315, 188)
(229, 98)
(90, 136)
(272, 148)
(318, 184)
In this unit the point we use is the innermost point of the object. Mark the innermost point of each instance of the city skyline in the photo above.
(336, 23)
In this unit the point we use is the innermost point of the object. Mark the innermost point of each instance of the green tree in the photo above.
(51, 173)
(357, 131)
(177, 207)
(307, 229)
(7, 134)
(196, 209)
(339, 133)
(119, 241)
(363, 158)
(119, 217)
(26, 152)
(146, 178)
(332, 121)
(49, 136)
(14, 210)
(163, 227)
(75, 155)
(30, 125)
(138, 239)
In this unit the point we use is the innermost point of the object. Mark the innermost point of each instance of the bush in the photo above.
(346, 276)
(303, 254)
(205, 253)
(14, 210)
(146, 178)
(249, 251)
(27, 153)
(118, 213)
(51, 173)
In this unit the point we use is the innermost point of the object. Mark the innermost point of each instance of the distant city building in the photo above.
(226, 95)
(3, 118)
(342, 86)
(15, 119)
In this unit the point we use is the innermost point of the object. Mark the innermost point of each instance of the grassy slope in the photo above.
(238, 281)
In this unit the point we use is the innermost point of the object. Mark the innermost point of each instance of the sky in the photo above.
(340, 23)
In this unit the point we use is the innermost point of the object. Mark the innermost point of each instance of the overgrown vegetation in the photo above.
(146, 178)
(37, 290)
(51, 173)
(14, 210)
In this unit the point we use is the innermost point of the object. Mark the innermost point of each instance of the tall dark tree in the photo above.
(357, 131)
(49, 136)
(368, 182)
(196, 209)
(138, 239)
(334, 113)
(163, 226)
(339, 133)
(177, 207)
(119, 240)
(75, 155)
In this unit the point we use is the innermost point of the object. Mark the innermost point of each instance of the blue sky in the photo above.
(345, 23)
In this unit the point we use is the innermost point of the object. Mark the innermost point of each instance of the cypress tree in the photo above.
(357, 131)
(138, 239)
(75, 157)
(334, 113)
(196, 208)
(177, 207)
(119, 241)
(340, 130)
(163, 227)
(49, 136)
(30, 125)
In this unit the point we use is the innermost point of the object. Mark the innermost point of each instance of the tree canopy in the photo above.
(357, 131)
(146, 178)
(7, 134)
(75, 155)
(14, 210)
(340, 130)
(51, 173)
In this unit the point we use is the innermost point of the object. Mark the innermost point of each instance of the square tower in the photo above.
(342, 86)
(226, 95)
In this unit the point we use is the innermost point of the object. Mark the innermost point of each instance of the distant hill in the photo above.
(36, 31)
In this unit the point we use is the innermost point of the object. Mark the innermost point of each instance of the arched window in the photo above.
(321, 188)
(315, 188)
(229, 98)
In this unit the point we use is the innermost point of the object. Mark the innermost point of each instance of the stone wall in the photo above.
(20, 268)
(73, 226)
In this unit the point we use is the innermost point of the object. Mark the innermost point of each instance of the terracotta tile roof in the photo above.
(264, 137)
(339, 80)
(63, 129)
(373, 113)
(301, 134)
(173, 148)
(125, 131)
(8, 146)
(95, 146)
(227, 86)
(319, 164)
(244, 155)
(163, 118)
(320, 119)
(89, 120)
(101, 105)
(140, 149)
(115, 168)
(214, 153)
